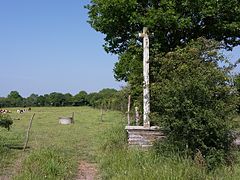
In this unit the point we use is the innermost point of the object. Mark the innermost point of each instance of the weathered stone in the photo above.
(143, 136)
(65, 120)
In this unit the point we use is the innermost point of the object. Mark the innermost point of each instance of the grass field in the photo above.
(55, 150)
(119, 162)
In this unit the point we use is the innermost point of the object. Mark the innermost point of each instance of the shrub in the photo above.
(5, 121)
(193, 99)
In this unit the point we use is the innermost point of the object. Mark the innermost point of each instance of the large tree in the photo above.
(15, 99)
(32, 100)
(173, 22)
(191, 96)
(56, 99)
(80, 99)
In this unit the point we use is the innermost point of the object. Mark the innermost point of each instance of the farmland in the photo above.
(54, 150)
(57, 151)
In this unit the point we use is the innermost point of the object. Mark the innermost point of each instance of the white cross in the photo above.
(146, 92)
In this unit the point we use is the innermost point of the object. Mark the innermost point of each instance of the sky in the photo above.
(48, 46)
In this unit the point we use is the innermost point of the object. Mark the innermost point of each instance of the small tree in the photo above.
(5, 121)
(194, 100)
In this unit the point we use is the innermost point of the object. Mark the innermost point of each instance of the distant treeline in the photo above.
(106, 98)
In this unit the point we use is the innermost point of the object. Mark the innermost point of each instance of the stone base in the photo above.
(143, 136)
(65, 120)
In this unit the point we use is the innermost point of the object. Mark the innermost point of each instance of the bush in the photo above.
(5, 121)
(193, 99)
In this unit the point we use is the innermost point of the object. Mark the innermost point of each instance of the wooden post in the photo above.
(146, 93)
(73, 117)
(102, 113)
(27, 136)
(137, 117)
(129, 106)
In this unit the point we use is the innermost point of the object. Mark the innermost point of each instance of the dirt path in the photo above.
(14, 168)
(87, 171)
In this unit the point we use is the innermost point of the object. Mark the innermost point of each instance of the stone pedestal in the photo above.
(141, 136)
(65, 120)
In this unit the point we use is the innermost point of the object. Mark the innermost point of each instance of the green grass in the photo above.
(8, 156)
(55, 150)
(141, 165)
(117, 161)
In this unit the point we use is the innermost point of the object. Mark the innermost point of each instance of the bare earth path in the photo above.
(87, 171)
(14, 169)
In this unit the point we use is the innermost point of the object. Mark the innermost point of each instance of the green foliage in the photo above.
(14, 95)
(56, 99)
(162, 162)
(106, 98)
(5, 121)
(237, 82)
(80, 99)
(174, 23)
(191, 96)
(32, 100)
(109, 99)
(15, 99)
(130, 69)
(194, 100)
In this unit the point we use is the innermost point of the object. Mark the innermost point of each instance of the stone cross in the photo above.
(146, 93)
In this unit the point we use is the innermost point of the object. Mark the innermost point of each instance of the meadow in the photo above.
(55, 150)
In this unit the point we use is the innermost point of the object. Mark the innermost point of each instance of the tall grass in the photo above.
(47, 163)
(8, 156)
(55, 150)
(117, 161)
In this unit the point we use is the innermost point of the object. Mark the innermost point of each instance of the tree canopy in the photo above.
(106, 98)
(173, 22)
(192, 97)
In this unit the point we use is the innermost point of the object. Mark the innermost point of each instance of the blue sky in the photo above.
(47, 46)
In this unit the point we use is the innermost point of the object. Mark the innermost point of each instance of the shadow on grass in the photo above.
(16, 146)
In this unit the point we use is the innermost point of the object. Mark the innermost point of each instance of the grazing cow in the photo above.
(20, 111)
(4, 111)
(23, 110)
(6, 123)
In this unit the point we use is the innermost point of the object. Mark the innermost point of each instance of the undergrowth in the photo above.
(118, 161)
(47, 163)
